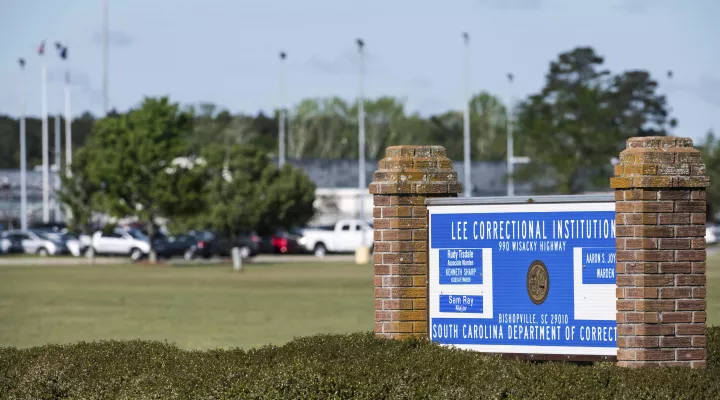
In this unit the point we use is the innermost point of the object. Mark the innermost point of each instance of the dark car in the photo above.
(286, 241)
(212, 244)
(174, 246)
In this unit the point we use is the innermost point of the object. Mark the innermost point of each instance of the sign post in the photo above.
(530, 277)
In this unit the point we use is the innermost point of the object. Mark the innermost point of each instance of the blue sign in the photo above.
(461, 266)
(461, 303)
(544, 278)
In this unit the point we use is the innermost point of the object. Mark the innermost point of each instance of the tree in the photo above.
(711, 155)
(488, 127)
(143, 166)
(78, 193)
(581, 119)
(245, 190)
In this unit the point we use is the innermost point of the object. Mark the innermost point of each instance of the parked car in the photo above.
(10, 244)
(345, 236)
(173, 246)
(78, 243)
(211, 244)
(284, 241)
(69, 240)
(36, 243)
(120, 241)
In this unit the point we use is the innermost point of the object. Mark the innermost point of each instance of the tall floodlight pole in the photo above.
(362, 184)
(105, 57)
(466, 117)
(44, 116)
(68, 117)
(23, 151)
(56, 152)
(281, 133)
(511, 159)
(510, 156)
(670, 125)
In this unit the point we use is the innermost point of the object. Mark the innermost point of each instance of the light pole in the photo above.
(466, 116)
(23, 151)
(672, 120)
(511, 159)
(56, 151)
(44, 116)
(362, 184)
(105, 56)
(281, 133)
(68, 117)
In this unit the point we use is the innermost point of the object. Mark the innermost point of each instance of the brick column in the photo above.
(405, 178)
(660, 210)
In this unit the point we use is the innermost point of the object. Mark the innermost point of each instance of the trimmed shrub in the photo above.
(357, 366)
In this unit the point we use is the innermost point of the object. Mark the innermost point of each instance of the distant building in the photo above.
(336, 180)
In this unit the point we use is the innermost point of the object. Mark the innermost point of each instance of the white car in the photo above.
(5, 245)
(36, 242)
(120, 242)
(71, 242)
(345, 236)
(711, 234)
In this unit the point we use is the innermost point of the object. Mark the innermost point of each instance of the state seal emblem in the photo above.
(538, 282)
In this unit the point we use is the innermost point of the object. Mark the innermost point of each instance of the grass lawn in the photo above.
(198, 307)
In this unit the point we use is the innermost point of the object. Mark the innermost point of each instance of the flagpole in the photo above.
(68, 125)
(44, 116)
(56, 177)
(23, 152)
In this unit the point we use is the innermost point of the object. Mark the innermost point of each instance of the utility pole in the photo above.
(362, 183)
(45, 145)
(281, 133)
(23, 151)
(466, 117)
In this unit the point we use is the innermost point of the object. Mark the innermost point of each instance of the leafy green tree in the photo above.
(245, 190)
(78, 193)
(488, 127)
(142, 166)
(581, 119)
(711, 155)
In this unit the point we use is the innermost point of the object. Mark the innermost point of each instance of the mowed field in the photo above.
(198, 307)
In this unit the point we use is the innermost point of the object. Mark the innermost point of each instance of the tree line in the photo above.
(571, 128)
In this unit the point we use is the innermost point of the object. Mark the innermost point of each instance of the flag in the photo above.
(63, 53)
(21, 61)
(41, 49)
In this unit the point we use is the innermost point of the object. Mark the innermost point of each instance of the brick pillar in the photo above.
(660, 209)
(405, 178)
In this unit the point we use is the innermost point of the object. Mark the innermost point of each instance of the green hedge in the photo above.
(330, 367)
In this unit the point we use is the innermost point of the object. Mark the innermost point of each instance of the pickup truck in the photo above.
(343, 237)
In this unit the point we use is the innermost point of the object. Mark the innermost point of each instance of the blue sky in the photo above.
(226, 52)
